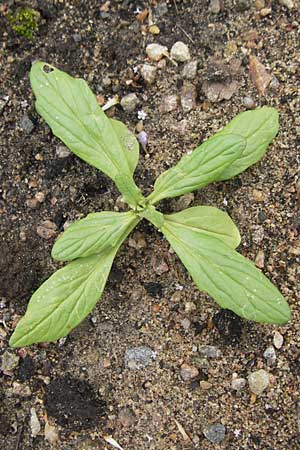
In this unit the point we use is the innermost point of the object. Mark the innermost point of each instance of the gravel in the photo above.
(258, 381)
(215, 433)
(139, 357)
(180, 52)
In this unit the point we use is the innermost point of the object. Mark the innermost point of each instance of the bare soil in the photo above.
(81, 385)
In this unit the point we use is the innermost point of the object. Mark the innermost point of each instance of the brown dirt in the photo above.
(140, 306)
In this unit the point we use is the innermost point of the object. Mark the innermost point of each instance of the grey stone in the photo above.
(26, 124)
(215, 433)
(160, 10)
(258, 381)
(130, 102)
(188, 372)
(156, 51)
(9, 361)
(248, 102)
(139, 357)
(169, 103)
(180, 52)
(270, 355)
(190, 70)
(188, 97)
(238, 384)
(277, 340)
(148, 73)
(62, 151)
(210, 351)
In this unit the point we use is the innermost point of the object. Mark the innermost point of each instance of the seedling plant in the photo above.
(203, 237)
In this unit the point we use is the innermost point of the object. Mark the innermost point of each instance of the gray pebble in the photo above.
(156, 51)
(62, 151)
(26, 124)
(270, 355)
(188, 97)
(248, 102)
(148, 73)
(215, 433)
(130, 102)
(9, 361)
(180, 52)
(258, 381)
(238, 384)
(210, 351)
(169, 103)
(190, 70)
(139, 357)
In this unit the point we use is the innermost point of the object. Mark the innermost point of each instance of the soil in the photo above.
(81, 385)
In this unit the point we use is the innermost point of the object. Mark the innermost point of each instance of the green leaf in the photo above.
(232, 280)
(98, 231)
(204, 165)
(64, 300)
(71, 110)
(258, 127)
(206, 221)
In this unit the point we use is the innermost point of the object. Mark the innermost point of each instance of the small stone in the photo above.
(153, 29)
(189, 307)
(46, 230)
(274, 84)
(130, 102)
(77, 37)
(139, 357)
(260, 259)
(169, 103)
(209, 351)
(270, 355)
(248, 102)
(243, 5)
(26, 124)
(214, 6)
(40, 196)
(288, 3)
(205, 385)
(21, 389)
(184, 201)
(156, 51)
(190, 70)
(259, 75)
(148, 72)
(257, 233)
(259, 4)
(51, 433)
(186, 323)
(180, 52)
(137, 241)
(265, 12)
(34, 423)
(62, 151)
(106, 81)
(188, 97)
(258, 196)
(9, 361)
(215, 433)
(258, 381)
(188, 372)
(277, 340)
(126, 417)
(32, 203)
(238, 384)
(143, 139)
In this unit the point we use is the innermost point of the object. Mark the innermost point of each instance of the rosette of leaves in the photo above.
(203, 237)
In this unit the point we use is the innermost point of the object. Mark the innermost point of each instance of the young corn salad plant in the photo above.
(203, 237)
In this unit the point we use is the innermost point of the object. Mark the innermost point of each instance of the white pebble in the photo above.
(180, 52)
